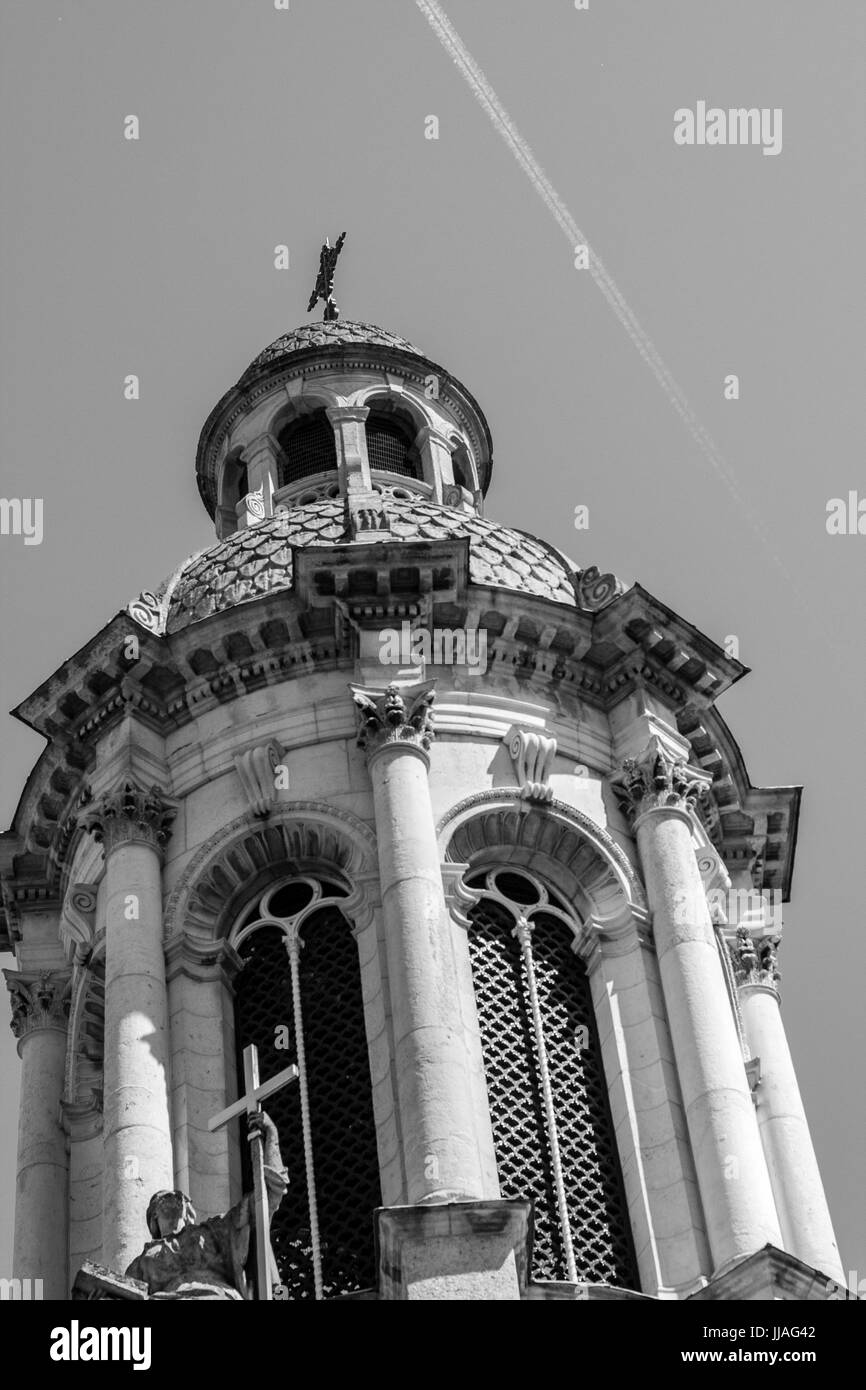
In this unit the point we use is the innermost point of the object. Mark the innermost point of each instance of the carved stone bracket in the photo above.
(533, 755)
(400, 714)
(257, 769)
(595, 590)
(131, 813)
(78, 920)
(459, 898)
(657, 781)
(40, 999)
(367, 517)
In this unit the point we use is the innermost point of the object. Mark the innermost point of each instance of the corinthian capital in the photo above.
(655, 780)
(756, 962)
(39, 1000)
(399, 715)
(131, 813)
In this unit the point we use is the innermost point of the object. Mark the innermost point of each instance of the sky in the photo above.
(262, 127)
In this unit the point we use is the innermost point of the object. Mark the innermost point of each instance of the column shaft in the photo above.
(731, 1169)
(807, 1230)
(41, 1195)
(137, 1126)
(441, 1151)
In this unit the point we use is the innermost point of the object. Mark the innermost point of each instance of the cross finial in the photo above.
(324, 289)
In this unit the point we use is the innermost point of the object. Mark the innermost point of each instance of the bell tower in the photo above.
(410, 800)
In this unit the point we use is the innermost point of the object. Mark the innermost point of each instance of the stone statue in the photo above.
(212, 1259)
(324, 289)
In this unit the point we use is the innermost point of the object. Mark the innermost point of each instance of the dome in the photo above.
(258, 560)
(326, 335)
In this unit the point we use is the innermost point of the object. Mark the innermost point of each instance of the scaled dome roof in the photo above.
(324, 334)
(258, 560)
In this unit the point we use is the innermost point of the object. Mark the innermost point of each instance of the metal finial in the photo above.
(325, 282)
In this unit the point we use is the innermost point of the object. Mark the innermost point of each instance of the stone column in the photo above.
(437, 1121)
(40, 1008)
(133, 825)
(731, 1169)
(436, 460)
(807, 1230)
(82, 1121)
(351, 441)
(658, 1171)
(203, 1075)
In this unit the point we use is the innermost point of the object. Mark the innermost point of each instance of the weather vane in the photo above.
(325, 282)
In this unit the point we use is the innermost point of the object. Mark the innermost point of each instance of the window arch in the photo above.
(298, 928)
(461, 467)
(307, 447)
(391, 442)
(552, 1129)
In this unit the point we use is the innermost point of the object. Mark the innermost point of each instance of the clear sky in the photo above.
(261, 127)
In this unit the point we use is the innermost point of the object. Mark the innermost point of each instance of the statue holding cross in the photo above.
(324, 287)
(214, 1259)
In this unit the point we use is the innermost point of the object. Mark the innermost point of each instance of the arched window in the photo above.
(235, 484)
(297, 928)
(391, 442)
(461, 467)
(307, 446)
(552, 1128)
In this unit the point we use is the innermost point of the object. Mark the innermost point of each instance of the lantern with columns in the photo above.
(509, 918)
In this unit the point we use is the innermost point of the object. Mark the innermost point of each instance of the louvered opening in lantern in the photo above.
(390, 444)
(342, 1135)
(307, 447)
(581, 1209)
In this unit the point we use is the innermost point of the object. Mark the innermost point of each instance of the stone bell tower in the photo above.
(408, 798)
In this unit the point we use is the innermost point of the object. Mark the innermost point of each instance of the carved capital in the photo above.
(532, 755)
(399, 715)
(756, 962)
(131, 813)
(39, 1000)
(78, 919)
(657, 781)
(262, 776)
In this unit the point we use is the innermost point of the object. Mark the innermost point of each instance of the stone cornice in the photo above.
(206, 665)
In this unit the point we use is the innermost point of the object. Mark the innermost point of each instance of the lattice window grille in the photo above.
(307, 447)
(553, 1133)
(317, 987)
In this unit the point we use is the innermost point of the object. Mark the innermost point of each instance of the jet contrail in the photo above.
(489, 101)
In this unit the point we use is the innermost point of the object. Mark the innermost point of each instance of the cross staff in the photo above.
(250, 1103)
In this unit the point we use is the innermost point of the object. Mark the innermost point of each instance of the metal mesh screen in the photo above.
(597, 1211)
(389, 446)
(345, 1157)
(308, 447)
